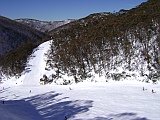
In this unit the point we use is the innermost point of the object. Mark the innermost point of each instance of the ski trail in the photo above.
(36, 65)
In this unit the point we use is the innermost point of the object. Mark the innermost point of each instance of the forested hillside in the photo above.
(114, 45)
(16, 44)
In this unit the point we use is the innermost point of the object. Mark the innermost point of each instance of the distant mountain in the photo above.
(43, 26)
(118, 45)
(16, 43)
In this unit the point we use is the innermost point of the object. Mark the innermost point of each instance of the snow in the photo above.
(25, 99)
(35, 68)
(37, 65)
(123, 100)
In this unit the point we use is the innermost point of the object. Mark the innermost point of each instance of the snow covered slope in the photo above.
(83, 101)
(25, 99)
(35, 68)
(36, 65)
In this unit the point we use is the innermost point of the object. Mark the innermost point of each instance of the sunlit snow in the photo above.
(25, 99)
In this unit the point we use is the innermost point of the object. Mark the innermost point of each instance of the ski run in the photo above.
(25, 99)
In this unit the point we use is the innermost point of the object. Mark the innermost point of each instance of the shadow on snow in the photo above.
(43, 107)
(121, 116)
(18, 110)
(52, 107)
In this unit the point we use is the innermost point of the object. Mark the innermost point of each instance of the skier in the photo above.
(143, 88)
(153, 91)
(65, 118)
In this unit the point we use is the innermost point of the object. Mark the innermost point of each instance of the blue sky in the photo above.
(61, 9)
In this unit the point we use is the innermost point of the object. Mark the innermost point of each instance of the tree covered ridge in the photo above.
(17, 42)
(106, 41)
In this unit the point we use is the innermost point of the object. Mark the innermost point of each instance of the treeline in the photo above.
(104, 42)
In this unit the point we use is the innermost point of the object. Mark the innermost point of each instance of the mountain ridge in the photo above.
(43, 26)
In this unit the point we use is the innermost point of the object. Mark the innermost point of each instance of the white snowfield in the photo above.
(26, 99)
